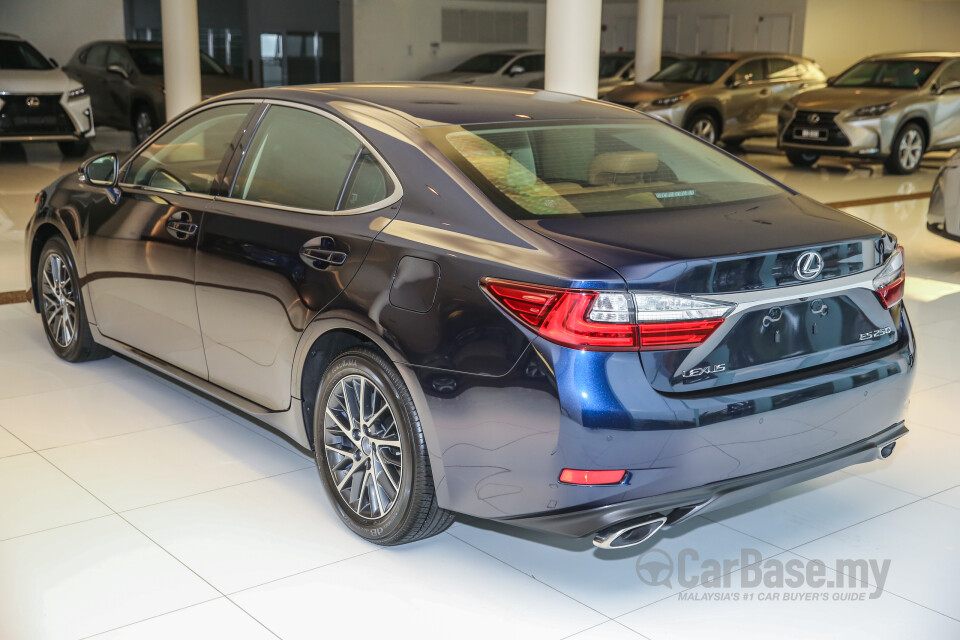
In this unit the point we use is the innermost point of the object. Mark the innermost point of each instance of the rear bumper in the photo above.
(681, 505)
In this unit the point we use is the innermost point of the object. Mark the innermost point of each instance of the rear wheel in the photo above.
(61, 305)
(371, 451)
(704, 126)
(802, 158)
(907, 150)
(74, 148)
(144, 122)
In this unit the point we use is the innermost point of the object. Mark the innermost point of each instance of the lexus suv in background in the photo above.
(514, 67)
(943, 215)
(125, 83)
(39, 102)
(723, 96)
(892, 107)
(553, 312)
(616, 69)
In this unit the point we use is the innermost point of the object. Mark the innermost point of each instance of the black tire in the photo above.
(143, 122)
(907, 150)
(704, 126)
(80, 347)
(413, 513)
(802, 158)
(74, 148)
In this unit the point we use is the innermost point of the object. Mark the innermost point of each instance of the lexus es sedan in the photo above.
(943, 214)
(893, 108)
(529, 307)
(39, 102)
(125, 81)
(725, 97)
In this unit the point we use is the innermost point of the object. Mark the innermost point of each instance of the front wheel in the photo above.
(802, 158)
(61, 305)
(704, 126)
(371, 452)
(907, 150)
(143, 123)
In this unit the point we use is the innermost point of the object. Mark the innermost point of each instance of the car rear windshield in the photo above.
(485, 63)
(567, 168)
(150, 62)
(694, 70)
(16, 54)
(887, 74)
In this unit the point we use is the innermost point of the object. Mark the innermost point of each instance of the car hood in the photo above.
(841, 98)
(648, 91)
(452, 76)
(30, 81)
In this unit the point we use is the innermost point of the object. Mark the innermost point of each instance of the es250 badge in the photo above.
(870, 335)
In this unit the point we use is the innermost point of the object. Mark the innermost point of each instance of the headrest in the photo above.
(622, 167)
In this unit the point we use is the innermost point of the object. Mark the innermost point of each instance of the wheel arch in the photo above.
(46, 229)
(705, 106)
(917, 118)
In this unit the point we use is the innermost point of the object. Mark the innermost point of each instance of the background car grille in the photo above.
(834, 136)
(16, 118)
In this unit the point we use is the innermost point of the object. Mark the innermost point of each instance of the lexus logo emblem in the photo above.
(808, 266)
(33, 101)
(813, 118)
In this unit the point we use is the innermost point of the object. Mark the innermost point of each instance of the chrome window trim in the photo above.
(365, 144)
(156, 134)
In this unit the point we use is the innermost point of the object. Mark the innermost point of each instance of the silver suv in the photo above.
(723, 96)
(893, 107)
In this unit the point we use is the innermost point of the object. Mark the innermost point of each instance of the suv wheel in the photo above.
(143, 123)
(61, 305)
(907, 150)
(704, 126)
(802, 158)
(371, 452)
(74, 148)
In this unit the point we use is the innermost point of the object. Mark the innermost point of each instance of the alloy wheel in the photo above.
(362, 446)
(703, 129)
(59, 300)
(143, 126)
(911, 149)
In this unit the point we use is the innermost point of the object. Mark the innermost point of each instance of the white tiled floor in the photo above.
(130, 508)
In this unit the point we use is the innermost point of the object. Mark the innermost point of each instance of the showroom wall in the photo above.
(841, 32)
(404, 40)
(58, 28)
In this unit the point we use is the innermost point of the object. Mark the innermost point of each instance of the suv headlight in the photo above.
(76, 93)
(668, 101)
(874, 110)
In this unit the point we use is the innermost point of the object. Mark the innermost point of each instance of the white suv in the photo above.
(39, 102)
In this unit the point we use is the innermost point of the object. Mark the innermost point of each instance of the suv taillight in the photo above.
(889, 284)
(609, 320)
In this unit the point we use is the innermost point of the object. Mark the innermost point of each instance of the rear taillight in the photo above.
(609, 320)
(889, 284)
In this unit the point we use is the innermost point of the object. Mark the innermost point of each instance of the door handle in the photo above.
(181, 226)
(321, 252)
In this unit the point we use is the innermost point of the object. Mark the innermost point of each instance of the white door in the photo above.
(670, 39)
(774, 33)
(713, 34)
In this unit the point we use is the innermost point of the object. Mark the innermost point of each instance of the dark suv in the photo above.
(125, 83)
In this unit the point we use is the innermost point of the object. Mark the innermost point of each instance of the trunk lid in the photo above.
(747, 254)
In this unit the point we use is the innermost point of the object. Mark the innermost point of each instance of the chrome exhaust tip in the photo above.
(626, 535)
(887, 450)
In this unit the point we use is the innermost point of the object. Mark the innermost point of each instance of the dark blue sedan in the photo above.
(512, 304)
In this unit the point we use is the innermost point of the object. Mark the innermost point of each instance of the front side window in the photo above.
(784, 69)
(303, 160)
(96, 56)
(188, 156)
(588, 169)
(694, 70)
(20, 55)
(887, 74)
(751, 71)
(529, 63)
(951, 74)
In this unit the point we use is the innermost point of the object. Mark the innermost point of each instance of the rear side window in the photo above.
(188, 156)
(96, 56)
(302, 160)
(584, 169)
(784, 69)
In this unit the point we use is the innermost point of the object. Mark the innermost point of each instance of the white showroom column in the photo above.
(649, 37)
(573, 47)
(181, 57)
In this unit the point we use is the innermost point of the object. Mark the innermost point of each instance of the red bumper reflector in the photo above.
(580, 476)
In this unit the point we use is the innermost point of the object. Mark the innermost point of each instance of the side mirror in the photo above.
(53, 62)
(950, 86)
(831, 80)
(734, 83)
(516, 70)
(117, 69)
(101, 171)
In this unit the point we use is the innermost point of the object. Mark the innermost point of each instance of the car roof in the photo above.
(923, 56)
(431, 104)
